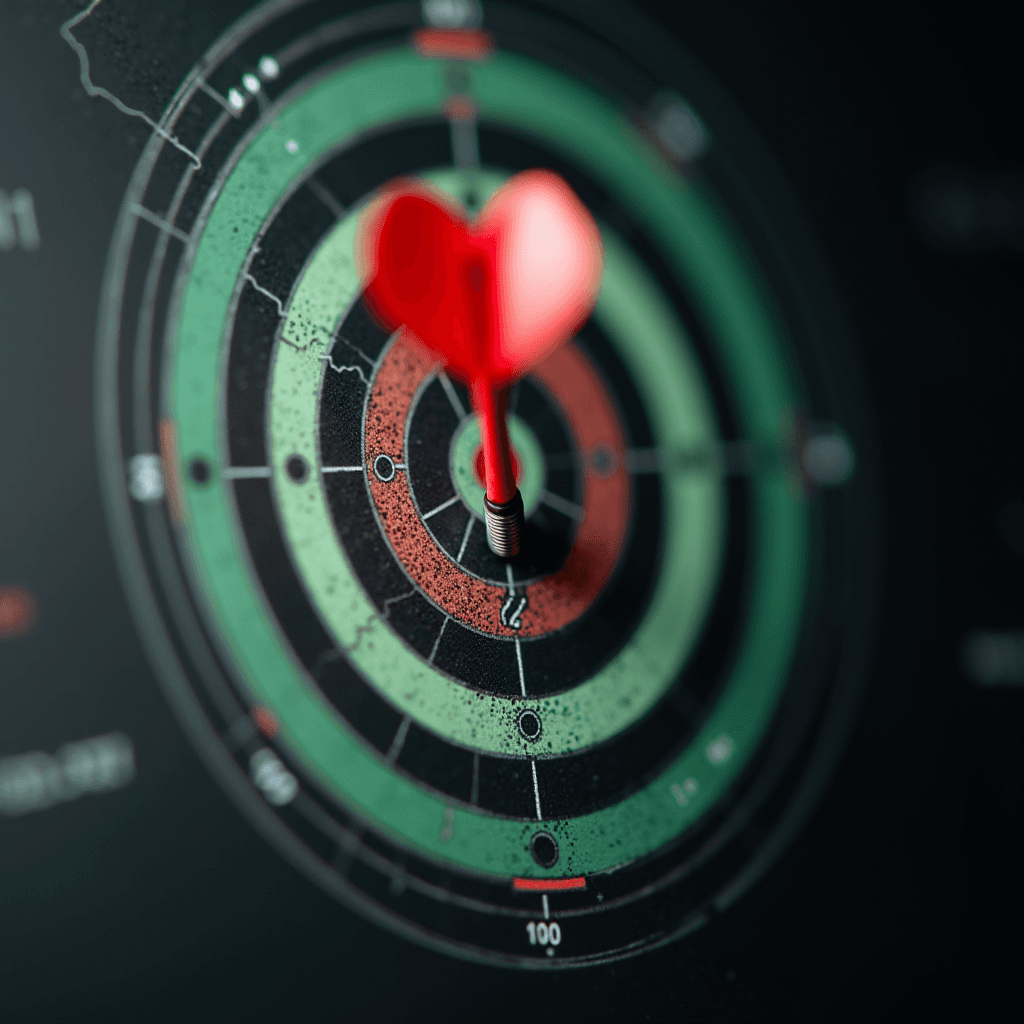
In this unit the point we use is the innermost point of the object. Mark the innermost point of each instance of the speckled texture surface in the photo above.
(555, 601)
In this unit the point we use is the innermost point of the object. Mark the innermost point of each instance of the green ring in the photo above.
(686, 225)
(464, 445)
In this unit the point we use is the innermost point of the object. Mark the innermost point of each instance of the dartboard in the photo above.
(560, 758)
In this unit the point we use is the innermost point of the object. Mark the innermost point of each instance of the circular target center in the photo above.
(465, 462)
(480, 469)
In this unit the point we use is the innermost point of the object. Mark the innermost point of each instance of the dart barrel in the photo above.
(505, 523)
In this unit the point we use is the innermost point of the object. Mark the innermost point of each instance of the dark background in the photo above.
(900, 900)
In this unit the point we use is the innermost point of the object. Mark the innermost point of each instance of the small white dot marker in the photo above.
(292, 146)
(269, 68)
(236, 99)
(145, 479)
(720, 750)
(252, 83)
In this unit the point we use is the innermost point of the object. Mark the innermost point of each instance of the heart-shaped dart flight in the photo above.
(491, 297)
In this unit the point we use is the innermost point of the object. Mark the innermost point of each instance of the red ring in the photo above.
(558, 599)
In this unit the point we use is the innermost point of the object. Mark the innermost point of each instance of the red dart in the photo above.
(491, 297)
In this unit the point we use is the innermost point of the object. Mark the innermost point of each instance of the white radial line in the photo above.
(326, 197)
(568, 508)
(341, 469)
(396, 744)
(465, 540)
(440, 508)
(437, 642)
(452, 394)
(511, 580)
(465, 145)
(547, 909)
(536, 788)
(158, 221)
(522, 678)
(97, 90)
(213, 94)
(246, 472)
(355, 348)
(398, 597)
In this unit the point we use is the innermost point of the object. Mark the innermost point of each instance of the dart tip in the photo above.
(505, 523)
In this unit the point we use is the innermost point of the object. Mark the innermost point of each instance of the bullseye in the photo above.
(480, 467)
(467, 469)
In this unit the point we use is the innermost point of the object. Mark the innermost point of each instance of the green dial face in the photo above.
(480, 753)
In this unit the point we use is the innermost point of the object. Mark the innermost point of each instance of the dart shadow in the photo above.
(544, 548)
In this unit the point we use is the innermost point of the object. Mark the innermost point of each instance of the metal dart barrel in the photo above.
(505, 524)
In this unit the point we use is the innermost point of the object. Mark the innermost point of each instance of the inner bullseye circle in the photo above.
(527, 457)
(480, 466)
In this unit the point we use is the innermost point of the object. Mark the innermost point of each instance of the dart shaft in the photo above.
(499, 476)
(503, 505)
